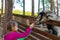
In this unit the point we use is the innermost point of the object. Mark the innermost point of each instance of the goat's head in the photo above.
(42, 17)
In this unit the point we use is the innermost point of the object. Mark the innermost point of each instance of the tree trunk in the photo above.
(8, 13)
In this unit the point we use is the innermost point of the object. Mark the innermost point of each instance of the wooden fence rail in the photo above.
(37, 32)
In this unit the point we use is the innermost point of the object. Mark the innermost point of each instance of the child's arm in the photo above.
(26, 33)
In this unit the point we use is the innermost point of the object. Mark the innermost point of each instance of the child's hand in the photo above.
(32, 25)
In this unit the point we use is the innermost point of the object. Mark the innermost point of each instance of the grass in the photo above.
(26, 13)
(19, 12)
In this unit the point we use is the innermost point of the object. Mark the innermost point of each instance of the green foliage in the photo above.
(47, 1)
(26, 13)
(36, 14)
(17, 12)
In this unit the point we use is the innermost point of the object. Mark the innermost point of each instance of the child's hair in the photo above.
(11, 24)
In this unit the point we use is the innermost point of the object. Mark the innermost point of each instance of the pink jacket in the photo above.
(15, 35)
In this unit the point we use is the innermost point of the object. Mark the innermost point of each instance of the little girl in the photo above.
(13, 34)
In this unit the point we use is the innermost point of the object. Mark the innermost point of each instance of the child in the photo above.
(13, 34)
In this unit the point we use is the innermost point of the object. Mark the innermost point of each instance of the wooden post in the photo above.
(57, 7)
(23, 7)
(8, 10)
(32, 7)
(52, 5)
(1, 10)
(38, 6)
(8, 13)
(43, 5)
(0, 15)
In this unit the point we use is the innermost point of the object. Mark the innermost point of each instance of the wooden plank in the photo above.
(25, 17)
(38, 36)
(34, 34)
(53, 22)
(29, 37)
(53, 37)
